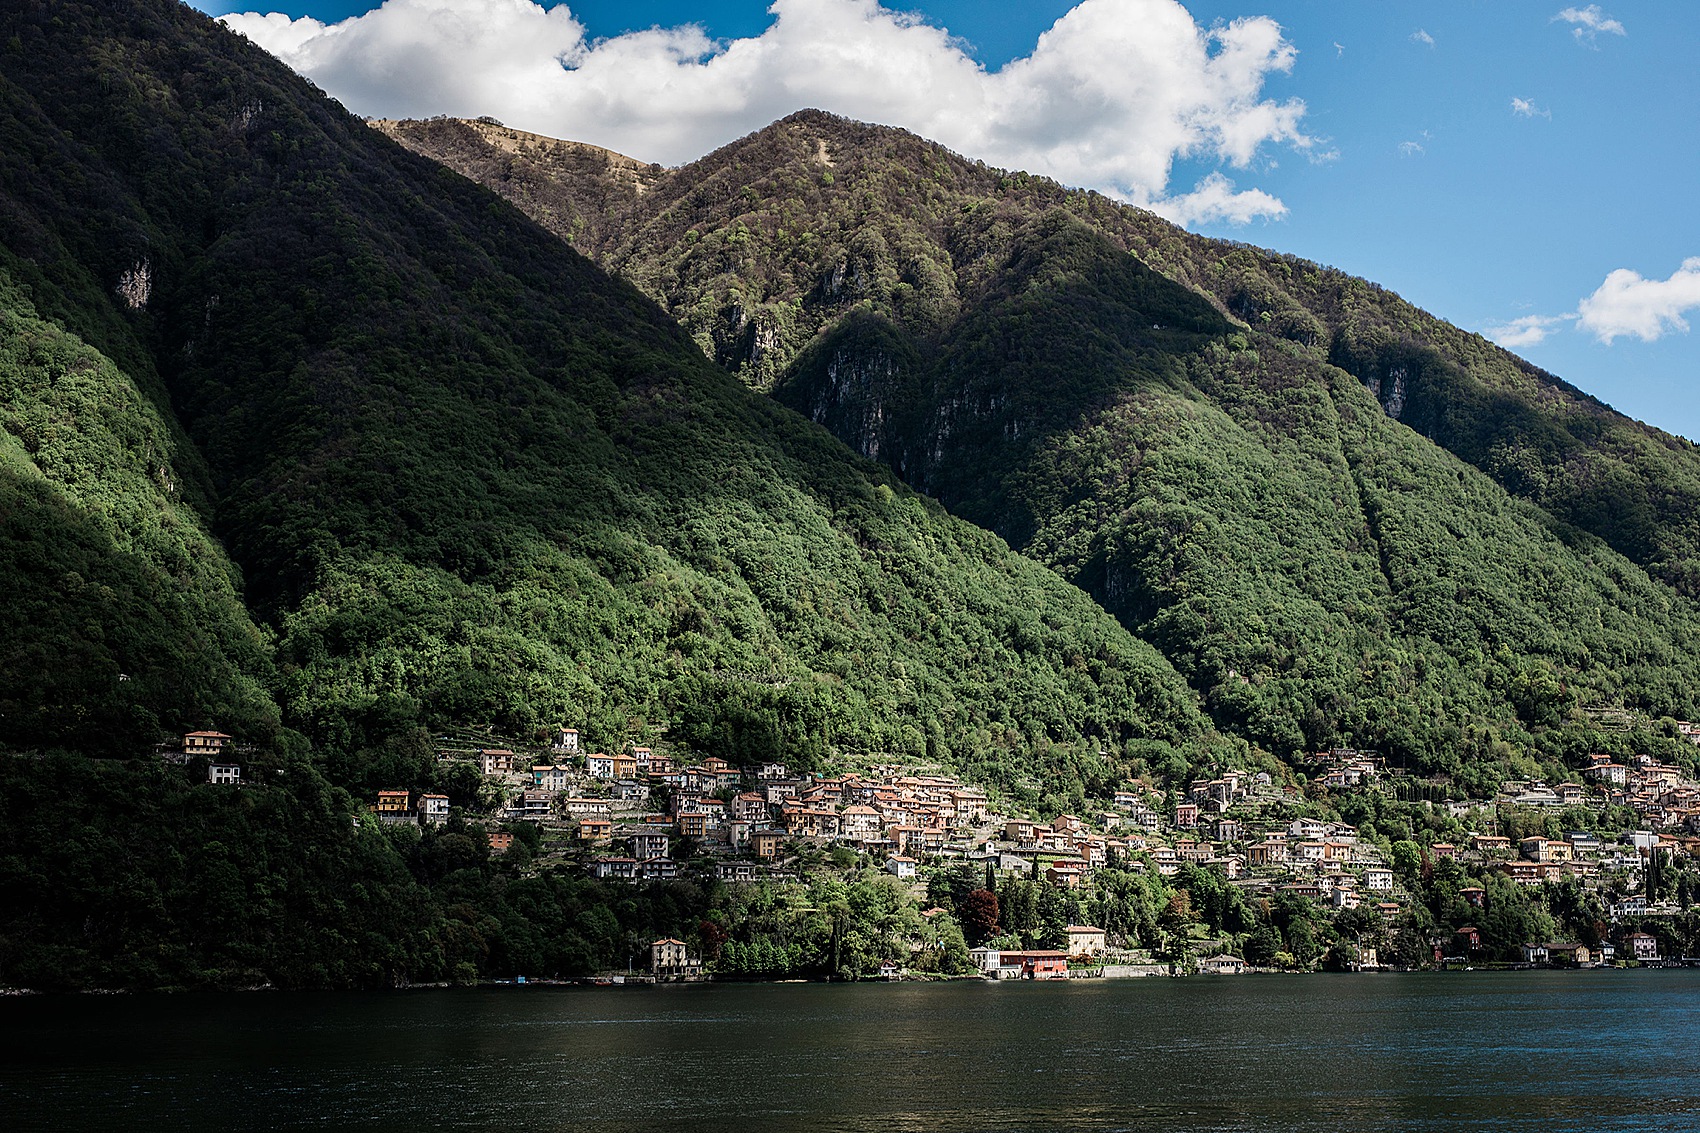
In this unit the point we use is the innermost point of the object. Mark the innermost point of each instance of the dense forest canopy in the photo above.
(1343, 520)
(305, 437)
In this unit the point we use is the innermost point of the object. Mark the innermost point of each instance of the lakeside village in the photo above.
(1236, 874)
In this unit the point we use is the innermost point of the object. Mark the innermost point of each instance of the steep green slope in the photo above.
(119, 617)
(470, 478)
(1192, 432)
(755, 248)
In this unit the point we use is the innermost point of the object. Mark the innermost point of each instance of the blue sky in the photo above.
(1491, 160)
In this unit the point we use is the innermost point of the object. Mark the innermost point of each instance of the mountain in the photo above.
(462, 475)
(308, 439)
(1340, 518)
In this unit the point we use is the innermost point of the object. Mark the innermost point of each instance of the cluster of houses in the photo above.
(635, 810)
(649, 804)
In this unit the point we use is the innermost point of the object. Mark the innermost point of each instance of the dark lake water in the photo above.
(1551, 1052)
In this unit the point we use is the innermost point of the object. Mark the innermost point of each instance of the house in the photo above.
(1490, 843)
(499, 761)
(1570, 955)
(860, 822)
(551, 776)
(988, 960)
(1018, 830)
(565, 741)
(1233, 868)
(1614, 773)
(1269, 852)
(1308, 829)
(1473, 895)
(669, 959)
(595, 830)
(1524, 873)
(650, 844)
(1378, 877)
(735, 871)
(500, 840)
(693, 824)
(629, 791)
(1222, 965)
(599, 765)
(391, 802)
(658, 869)
(225, 774)
(1569, 793)
(1038, 965)
(209, 744)
(1642, 945)
(1085, 940)
(1444, 850)
(615, 869)
(1634, 906)
(586, 807)
(1066, 874)
(1545, 850)
(1582, 843)
(766, 843)
(535, 806)
(767, 772)
(970, 807)
(1389, 910)
(1345, 899)
(1535, 954)
(433, 809)
(1227, 830)
(1469, 938)
(749, 807)
(1186, 815)
(899, 866)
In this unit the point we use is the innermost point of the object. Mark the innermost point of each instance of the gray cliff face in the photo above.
(1390, 390)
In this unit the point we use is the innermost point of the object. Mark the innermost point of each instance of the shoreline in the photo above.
(636, 980)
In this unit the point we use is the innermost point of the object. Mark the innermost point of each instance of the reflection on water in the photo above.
(1552, 1052)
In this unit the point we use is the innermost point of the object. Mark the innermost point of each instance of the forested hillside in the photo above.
(311, 440)
(468, 477)
(1342, 519)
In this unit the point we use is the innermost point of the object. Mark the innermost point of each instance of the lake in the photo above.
(1546, 1051)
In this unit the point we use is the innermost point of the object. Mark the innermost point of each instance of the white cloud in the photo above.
(1627, 304)
(1411, 149)
(1112, 95)
(1216, 201)
(1524, 108)
(1590, 23)
(1423, 37)
(1530, 330)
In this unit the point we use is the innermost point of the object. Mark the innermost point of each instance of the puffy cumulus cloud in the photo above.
(1422, 36)
(1589, 23)
(1627, 304)
(1525, 108)
(1216, 201)
(1111, 96)
(1530, 330)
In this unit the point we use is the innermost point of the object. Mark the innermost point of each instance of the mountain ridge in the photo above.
(976, 329)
